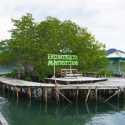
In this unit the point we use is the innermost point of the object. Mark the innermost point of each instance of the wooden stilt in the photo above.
(96, 94)
(112, 96)
(77, 95)
(45, 96)
(95, 89)
(3, 88)
(29, 94)
(57, 97)
(87, 95)
(74, 94)
(118, 99)
(41, 94)
(65, 97)
(13, 91)
(9, 91)
(17, 93)
(96, 97)
(57, 94)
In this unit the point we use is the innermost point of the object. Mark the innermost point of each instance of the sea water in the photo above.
(22, 112)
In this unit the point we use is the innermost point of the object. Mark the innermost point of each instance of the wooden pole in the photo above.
(112, 96)
(96, 94)
(54, 70)
(17, 94)
(45, 96)
(57, 92)
(3, 88)
(118, 99)
(29, 93)
(57, 97)
(65, 97)
(77, 94)
(87, 95)
(9, 91)
(13, 91)
(41, 94)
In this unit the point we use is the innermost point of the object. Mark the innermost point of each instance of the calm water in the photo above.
(4, 70)
(25, 113)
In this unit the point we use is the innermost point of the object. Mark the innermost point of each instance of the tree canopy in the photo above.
(32, 41)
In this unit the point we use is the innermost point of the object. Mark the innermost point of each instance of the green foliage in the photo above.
(5, 55)
(12, 74)
(31, 42)
(104, 73)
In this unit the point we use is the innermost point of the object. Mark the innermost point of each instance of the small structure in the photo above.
(62, 60)
(76, 80)
(73, 76)
(68, 76)
(117, 62)
(70, 72)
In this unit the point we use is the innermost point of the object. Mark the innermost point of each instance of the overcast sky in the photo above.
(103, 18)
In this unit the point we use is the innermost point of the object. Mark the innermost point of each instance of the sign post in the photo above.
(54, 70)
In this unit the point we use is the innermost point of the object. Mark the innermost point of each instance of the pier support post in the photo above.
(57, 97)
(65, 97)
(96, 94)
(77, 95)
(41, 94)
(29, 94)
(3, 90)
(57, 92)
(17, 93)
(118, 98)
(86, 99)
(117, 92)
(13, 91)
(45, 95)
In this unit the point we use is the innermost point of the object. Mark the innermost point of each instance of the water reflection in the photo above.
(3, 121)
(35, 113)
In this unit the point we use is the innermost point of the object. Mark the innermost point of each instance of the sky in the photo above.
(104, 18)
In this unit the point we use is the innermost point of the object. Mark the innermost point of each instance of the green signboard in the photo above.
(54, 59)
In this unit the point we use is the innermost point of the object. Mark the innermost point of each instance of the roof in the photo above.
(116, 54)
(111, 50)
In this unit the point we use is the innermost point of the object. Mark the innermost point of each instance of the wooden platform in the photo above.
(45, 89)
(76, 80)
(106, 85)
(23, 83)
(111, 83)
